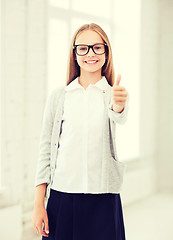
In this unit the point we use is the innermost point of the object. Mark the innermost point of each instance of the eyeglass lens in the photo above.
(84, 49)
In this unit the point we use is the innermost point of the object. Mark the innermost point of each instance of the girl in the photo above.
(78, 169)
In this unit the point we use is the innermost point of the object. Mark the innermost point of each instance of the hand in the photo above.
(119, 96)
(40, 217)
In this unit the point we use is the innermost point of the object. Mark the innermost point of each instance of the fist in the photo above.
(119, 96)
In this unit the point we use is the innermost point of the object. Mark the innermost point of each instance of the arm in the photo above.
(43, 172)
(39, 195)
(43, 165)
(40, 214)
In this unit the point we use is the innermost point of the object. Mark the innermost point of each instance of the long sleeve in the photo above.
(43, 165)
(119, 118)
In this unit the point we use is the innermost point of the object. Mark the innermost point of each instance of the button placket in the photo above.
(85, 141)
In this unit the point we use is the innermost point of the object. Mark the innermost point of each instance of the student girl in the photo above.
(78, 169)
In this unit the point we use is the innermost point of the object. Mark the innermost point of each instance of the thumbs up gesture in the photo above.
(119, 96)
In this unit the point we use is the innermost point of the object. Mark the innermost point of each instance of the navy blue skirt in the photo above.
(79, 216)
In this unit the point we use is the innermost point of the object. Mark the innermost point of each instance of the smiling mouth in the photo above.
(91, 61)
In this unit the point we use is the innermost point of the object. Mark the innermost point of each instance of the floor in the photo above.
(150, 219)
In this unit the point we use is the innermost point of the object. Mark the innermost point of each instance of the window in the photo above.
(60, 4)
(1, 95)
(123, 31)
(126, 50)
(57, 52)
(65, 18)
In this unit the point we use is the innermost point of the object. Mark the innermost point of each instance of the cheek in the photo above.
(103, 60)
(79, 61)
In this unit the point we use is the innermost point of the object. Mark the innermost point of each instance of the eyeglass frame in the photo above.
(89, 46)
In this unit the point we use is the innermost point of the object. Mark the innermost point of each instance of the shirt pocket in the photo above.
(117, 171)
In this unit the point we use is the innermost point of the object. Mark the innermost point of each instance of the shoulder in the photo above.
(55, 97)
(57, 91)
(55, 94)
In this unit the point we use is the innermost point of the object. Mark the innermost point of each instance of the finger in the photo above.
(119, 93)
(46, 226)
(118, 88)
(45, 234)
(120, 99)
(39, 226)
(36, 229)
(119, 104)
(43, 231)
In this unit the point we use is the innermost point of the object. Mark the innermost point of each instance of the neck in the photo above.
(87, 78)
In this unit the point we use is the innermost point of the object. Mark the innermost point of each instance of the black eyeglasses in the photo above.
(83, 49)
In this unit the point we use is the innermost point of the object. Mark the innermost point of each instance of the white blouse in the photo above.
(78, 164)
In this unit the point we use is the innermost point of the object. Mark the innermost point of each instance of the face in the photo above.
(90, 62)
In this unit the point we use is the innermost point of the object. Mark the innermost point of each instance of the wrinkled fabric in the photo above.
(79, 157)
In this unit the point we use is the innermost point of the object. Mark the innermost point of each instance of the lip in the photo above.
(91, 62)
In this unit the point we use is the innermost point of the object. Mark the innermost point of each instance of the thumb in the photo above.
(118, 79)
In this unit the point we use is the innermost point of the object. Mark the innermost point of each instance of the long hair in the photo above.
(73, 69)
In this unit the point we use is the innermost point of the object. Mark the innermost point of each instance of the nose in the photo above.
(91, 52)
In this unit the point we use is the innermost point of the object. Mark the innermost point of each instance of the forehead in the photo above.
(88, 37)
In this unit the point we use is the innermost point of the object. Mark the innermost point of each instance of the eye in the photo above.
(82, 48)
(97, 47)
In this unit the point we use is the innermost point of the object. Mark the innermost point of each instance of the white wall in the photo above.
(24, 80)
(141, 176)
(164, 149)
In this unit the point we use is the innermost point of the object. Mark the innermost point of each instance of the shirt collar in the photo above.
(101, 84)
